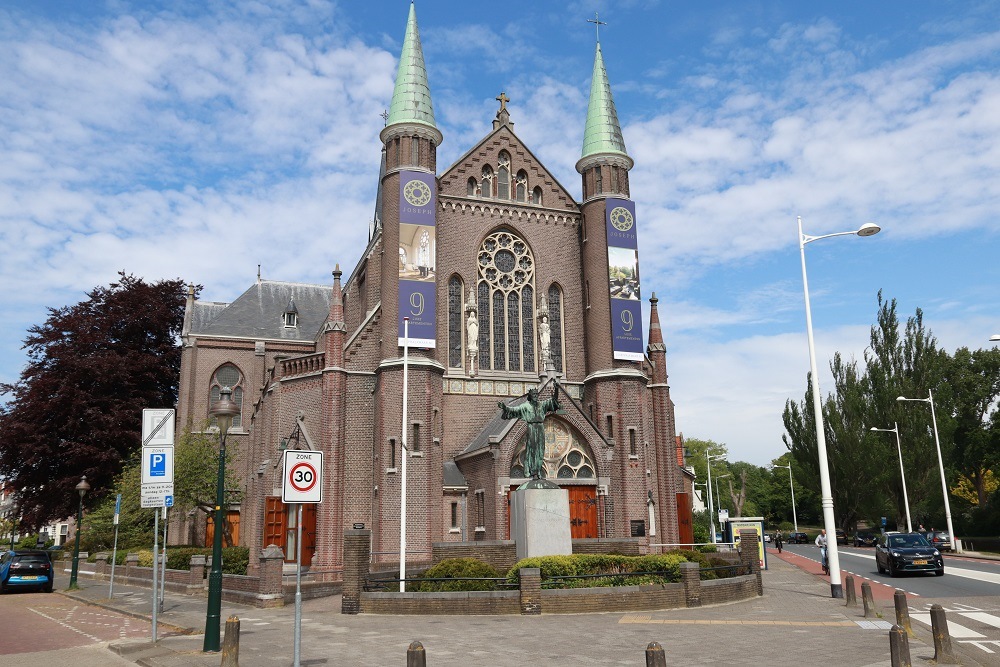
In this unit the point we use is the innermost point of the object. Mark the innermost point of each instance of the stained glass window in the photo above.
(227, 376)
(555, 326)
(527, 327)
(455, 322)
(503, 176)
(566, 455)
(505, 298)
(521, 191)
(513, 331)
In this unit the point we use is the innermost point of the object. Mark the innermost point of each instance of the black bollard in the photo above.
(899, 648)
(231, 643)
(655, 657)
(849, 593)
(943, 653)
(415, 655)
(902, 612)
(867, 599)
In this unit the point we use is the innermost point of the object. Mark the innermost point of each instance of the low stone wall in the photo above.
(466, 603)
(627, 546)
(502, 554)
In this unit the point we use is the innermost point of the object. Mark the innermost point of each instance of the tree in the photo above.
(76, 408)
(196, 471)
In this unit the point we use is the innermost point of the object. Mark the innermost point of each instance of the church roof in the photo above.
(257, 313)
(496, 427)
(602, 134)
(411, 97)
(453, 477)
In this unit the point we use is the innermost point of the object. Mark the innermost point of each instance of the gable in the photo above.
(486, 152)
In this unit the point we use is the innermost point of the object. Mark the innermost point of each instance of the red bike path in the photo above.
(881, 593)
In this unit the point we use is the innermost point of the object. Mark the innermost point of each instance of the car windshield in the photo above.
(907, 541)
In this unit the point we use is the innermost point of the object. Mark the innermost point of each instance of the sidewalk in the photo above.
(795, 621)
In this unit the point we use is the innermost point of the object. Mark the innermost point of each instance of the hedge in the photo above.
(458, 568)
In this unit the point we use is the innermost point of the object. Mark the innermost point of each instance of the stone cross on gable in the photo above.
(502, 97)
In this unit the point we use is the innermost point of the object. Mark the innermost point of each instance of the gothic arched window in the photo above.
(536, 195)
(506, 303)
(566, 455)
(521, 189)
(455, 320)
(470, 187)
(487, 188)
(503, 176)
(555, 327)
(227, 375)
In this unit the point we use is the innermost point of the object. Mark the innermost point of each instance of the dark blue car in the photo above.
(29, 569)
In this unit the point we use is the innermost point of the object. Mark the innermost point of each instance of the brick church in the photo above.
(496, 280)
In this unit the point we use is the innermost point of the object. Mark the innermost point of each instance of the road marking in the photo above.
(949, 569)
(954, 629)
(64, 624)
(982, 617)
(979, 645)
(646, 618)
(874, 625)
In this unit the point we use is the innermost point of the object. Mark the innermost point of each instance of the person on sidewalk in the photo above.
(821, 543)
(777, 541)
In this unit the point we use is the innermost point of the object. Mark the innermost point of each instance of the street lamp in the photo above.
(795, 518)
(82, 489)
(718, 497)
(224, 410)
(829, 521)
(711, 510)
(937, 443)
(995, 338)
(902, 475)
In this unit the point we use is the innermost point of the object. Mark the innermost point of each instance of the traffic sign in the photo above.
(157, 465)
(157, 427)
(303, 477)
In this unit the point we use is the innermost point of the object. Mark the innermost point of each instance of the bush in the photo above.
(617, 568)
(458, 568)
(28, 542)
(235, 560)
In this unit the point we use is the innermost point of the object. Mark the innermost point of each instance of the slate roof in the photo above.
(257, 313)
(453, 476)
(498, 426)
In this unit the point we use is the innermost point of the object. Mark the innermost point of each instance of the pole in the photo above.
(902, 476)
(402, 492)
(944, 484)
(829, 520)
(156, 535)
(163, 565)
(211, 642)
(114, 549)
(297, 641)
(795, 518)
(76, 549)
(711, 509)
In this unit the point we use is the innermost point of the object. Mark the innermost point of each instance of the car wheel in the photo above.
(891, 569)
(939, 573)
(47, 587)
(878, 565)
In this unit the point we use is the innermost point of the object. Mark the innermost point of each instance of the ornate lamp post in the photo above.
(829, 520)
(82, 489)
(224, 410)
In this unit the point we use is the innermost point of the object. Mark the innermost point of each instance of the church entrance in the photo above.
(281, 528)
(583, 502)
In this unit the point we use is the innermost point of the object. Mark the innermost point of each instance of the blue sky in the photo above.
(199, 139)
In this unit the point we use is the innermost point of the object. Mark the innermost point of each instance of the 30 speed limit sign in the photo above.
(303, 480)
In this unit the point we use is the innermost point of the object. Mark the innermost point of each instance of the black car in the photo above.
(26, 568)
(863, 538)
(797, 538)
(896, 553)
(841, 537)
(940, 539)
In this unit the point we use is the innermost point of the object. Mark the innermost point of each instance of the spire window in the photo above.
(506, 303)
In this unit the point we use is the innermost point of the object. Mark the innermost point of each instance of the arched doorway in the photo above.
(569, 462)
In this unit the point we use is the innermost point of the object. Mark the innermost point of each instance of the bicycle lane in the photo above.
(881, 593)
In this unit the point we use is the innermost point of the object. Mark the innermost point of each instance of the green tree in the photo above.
(196, 472)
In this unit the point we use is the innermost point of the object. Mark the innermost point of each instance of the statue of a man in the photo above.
(533, 414)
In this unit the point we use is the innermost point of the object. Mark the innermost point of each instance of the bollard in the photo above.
(231, 643)
(943, 653)
(849, 593)
(899, 648)
(867, 600)
(902, 612)
(655, 657)
(415, 655)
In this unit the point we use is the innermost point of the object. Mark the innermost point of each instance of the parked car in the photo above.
(940, 539)
(26, 568)
(797, 538)
(897, 553)
(864, 538)
(841, 537)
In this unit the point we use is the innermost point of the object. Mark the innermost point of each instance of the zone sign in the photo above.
(303, 477)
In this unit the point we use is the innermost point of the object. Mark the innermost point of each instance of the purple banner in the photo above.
(416, 301)
(626, 329)
(620, 221)
(417, 198)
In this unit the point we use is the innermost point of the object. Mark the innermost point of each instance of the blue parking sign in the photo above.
(158, 465)
(168, 501)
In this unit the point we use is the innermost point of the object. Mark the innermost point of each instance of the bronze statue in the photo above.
(533, 414)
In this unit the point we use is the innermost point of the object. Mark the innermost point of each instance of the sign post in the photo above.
(114, 549)
(302, 482)
(157, 488)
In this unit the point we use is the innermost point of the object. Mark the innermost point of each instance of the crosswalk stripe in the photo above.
(954, 629)
(982, 617)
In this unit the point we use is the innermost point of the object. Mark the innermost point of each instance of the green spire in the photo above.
(411, 98)
(603, 134)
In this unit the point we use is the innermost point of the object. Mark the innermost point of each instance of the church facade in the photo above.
(477, 284)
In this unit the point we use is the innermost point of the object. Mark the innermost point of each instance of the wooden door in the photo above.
(582, 511)
(274, 522)
(232, 536)
(685, 526)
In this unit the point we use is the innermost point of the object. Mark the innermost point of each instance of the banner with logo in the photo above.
(623, 280)
(417, 256)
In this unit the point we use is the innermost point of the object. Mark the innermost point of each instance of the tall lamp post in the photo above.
(829, 520)
(937, 443)
(718, 497)
(902, 475)
(82, 489)
(795, 518)
(224, 410)
(711, 509)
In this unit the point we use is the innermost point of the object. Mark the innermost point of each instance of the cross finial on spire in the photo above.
(385, 117)
(597, 24)
(503, 99)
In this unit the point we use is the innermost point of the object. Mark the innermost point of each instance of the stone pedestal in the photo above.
(541, 521)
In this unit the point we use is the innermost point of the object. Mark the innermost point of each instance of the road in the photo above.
(50, 629)
(969, 591)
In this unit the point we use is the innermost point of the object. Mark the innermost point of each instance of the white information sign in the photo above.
(157, 427)
(303, 477)
(157, 477)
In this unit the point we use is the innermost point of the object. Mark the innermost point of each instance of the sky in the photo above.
(200, 139)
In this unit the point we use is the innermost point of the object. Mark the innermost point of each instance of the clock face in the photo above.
(417, 193)
(621, 219)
